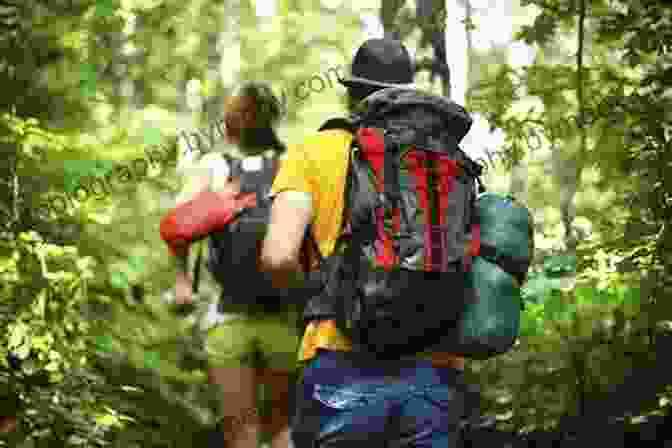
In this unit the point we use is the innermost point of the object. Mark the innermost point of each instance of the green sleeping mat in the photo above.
(490, 325)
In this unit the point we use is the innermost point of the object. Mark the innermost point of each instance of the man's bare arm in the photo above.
(291, 213)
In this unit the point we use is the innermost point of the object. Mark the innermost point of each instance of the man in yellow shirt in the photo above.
(345, 399)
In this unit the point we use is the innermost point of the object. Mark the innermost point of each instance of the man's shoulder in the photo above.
(327, 142)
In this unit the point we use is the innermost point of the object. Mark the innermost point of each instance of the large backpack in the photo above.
(398, 274)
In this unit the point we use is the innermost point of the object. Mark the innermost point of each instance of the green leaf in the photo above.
(52, 366)
(603, 297)
(151, 360)
(632, 296)
(22, 351)
(559, 265)
(76, 170)
(107, 420)
(569, 311)
(584, 295)
(88, 88)
(88, 75)
(152, 135)
(104, 343)
(39, 306)
(17, 335)
(119, 280)
(554, 305)
(88, 72)
(102, 167)
(76, 440)
(530, 326)
(137, 264)
(105, 8)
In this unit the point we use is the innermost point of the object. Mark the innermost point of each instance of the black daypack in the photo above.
(398, 275)
(233, 253)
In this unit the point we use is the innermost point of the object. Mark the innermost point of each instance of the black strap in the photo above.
(473, 169)
(517, 268)
(309, 241)
(347, 195)
(339, 123)
(391, 171)
(197, 269)
(234, 165)
(313, 243)
(481, 187)
(391, 176)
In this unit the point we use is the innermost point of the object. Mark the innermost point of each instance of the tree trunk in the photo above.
(567, 207)
(431, 16)
(213, 104)
(470, 40)
(518, 182)
(389, 9)
(138, 96)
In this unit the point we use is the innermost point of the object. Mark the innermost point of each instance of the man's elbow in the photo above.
(279, 268)
(277, 260)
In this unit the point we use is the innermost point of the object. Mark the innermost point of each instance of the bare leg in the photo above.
(277, 424)
(239, 404)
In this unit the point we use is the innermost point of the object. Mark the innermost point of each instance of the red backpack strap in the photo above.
(383, 160)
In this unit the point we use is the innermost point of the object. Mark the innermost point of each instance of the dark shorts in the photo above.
(344, 400)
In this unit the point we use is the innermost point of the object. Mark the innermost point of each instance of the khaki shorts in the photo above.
(268, 340)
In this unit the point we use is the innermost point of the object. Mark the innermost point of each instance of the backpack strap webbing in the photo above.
(197, 269)
(235, 167)
(347, 125)
(512, 266)
(339, 123)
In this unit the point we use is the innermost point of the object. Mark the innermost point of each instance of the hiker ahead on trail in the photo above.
(255, 338)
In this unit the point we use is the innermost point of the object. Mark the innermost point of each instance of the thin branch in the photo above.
(470, 44)
(579, 75)
(435, 67)
(389, 10)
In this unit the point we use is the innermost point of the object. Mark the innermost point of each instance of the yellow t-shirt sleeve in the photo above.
(295, 172)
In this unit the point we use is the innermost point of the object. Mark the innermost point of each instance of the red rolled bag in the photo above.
(207, 212)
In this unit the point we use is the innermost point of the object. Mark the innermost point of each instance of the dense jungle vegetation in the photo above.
(90, 352)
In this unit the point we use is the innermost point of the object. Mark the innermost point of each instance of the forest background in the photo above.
(90, 354)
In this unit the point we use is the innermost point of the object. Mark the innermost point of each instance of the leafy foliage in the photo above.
(596, 321)
(90, 353)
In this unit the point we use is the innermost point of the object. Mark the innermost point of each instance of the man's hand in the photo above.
(183, 289)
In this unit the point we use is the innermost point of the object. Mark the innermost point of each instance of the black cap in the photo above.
(382, 63)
